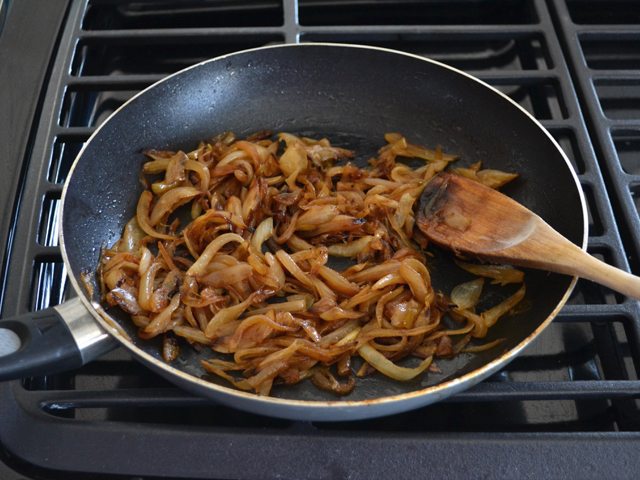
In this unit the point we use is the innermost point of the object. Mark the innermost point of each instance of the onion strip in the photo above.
(390, 369)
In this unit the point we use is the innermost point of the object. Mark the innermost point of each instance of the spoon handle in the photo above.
(547, 249)
(593, 269)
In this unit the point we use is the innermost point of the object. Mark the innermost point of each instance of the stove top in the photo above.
(568, 407)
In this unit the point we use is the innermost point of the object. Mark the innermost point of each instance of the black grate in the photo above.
(604, 41)
(573, 394)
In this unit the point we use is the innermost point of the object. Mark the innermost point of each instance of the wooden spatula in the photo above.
(467, 217)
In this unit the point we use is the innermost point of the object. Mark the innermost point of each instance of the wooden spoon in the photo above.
(470, 218)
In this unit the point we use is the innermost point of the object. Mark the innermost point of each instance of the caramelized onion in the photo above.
(142, 215)
(253, 273)
(501, 274)
(390, 369)
(227, 276)
(199, 265)
(324, 380)
(351, 249)
(466, 295)
(169, 201)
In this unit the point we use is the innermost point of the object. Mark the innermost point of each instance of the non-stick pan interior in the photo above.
(352, 96)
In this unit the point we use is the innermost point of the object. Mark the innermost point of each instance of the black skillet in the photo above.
(352, 95)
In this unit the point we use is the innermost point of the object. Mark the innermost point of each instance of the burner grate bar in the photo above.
(557, 124)
(41, 251)
(574, 390)
(489, 391)
(106, 82)
(497, 77)
(182, 34)
(503, 77)
(613, 77)
(594, 312)
(620, 123)
(73, 133)
(53, 189)
(595, 31)
(459, 31)
(523, 77)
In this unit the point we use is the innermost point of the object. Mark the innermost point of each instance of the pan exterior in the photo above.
(352, 94)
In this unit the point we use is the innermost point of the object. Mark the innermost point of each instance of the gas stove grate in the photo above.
(604, 44)
(571, 394)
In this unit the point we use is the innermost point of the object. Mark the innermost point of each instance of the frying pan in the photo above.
(352, 95)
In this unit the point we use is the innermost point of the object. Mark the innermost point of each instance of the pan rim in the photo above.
(446, 388)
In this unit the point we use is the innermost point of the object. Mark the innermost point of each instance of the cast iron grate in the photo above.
(603, 39)
(579, 382)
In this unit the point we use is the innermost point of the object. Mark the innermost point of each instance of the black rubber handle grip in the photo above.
(46, 346)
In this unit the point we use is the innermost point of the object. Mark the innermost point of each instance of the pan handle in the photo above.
(48, 341)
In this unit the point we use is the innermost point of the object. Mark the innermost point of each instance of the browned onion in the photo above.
(251, 273)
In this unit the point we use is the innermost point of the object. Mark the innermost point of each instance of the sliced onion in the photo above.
(349, 337)
(399, 146)
(374, 273)
(466, 295)
(395, 332)
(351, 249)
(251, 150)
(495, 178)
(201, 171)
(142, 215)
(315, 257)
(231, 157)
(125, 300)
(174, 175)
(267, 373)
(484, 347)
(145, 290)
(281, 355)
(388, 280)
(338, 313)
(199, 265)
(339, 333)
(310, 330)
(132, 236)
(263, 232)
(227, 276)
(292, 162)
(323, 290)
(387, 297)
(291, 306)
(296, 243)
(501, 274)
(275, 271)
(388, 368)
(290, 265)
(315, 216)
(363, 298)
(158, 165)
(160, 322)
(416, 283)
(339, 224)
(492, 315)
(192, 334)
(337, 281)
(255, 329)
(251, 201)
(323, 379)
(227, 315)
(146, 258)
(170, 201)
